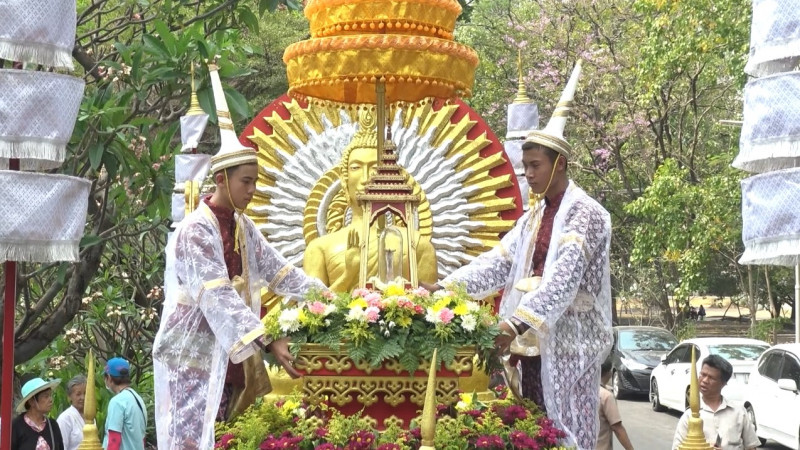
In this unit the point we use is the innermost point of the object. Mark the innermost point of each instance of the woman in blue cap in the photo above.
(32, 429)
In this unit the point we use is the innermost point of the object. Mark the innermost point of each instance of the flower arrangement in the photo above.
(291, 424)
(376, 325)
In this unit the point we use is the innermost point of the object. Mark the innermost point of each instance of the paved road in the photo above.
(650, 430)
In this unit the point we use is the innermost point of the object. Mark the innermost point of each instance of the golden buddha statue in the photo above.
(335, 257)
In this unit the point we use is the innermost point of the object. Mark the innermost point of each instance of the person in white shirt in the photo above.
(726, 426)
(71, 420)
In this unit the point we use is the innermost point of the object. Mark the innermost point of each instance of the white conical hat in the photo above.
(231, 152)
(552, 136)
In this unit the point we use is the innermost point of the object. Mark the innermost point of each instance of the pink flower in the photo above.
(317, 308)
(373, 312)
(328, 295)
(361, 292)
(446, 315)
(421, 292)
(372, 298)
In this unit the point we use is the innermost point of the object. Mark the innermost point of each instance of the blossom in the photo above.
(372, 313)
(394, 289)
(372, 298)
(356, 315)
(461, 309)
(361, 292)
(446, 315)
(357, 302)
(465, 402)
(289, 320)
(317, 307)
(421, 292)
(469, 322)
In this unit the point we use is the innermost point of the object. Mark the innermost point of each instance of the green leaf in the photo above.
(264, 5)
(155, 47)
(237, 103)
(96, 155)
(249, 19)
(90, 240)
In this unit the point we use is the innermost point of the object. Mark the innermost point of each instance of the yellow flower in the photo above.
(465, 404)
(461, 309)
(394, 289)
(441, 304)
(301, 316)
(360, 302)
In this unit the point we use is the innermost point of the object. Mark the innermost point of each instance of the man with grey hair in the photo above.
(71, 420)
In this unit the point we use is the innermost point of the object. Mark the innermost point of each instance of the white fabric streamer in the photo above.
(771, 218)
(38, 31)
(770, 138)
(187, 168)
(37, 115)
(192, 128)
(42, 216)
(774, 37)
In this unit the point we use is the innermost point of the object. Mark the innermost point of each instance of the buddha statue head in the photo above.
(359, 159)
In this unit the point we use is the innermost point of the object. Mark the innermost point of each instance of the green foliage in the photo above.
(766, 330)
(686, 330)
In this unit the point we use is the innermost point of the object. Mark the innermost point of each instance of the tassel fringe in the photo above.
(775, 58)
(768, 156)
(42, 252)
(785, 252)
(45, 54)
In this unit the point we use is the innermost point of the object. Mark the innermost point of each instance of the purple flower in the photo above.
(360, 440)
(514, 413)
(390, 446)
(489, 441)
(326, 446)
(224, 441)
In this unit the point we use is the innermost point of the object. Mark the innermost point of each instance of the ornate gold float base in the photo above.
(387, 394)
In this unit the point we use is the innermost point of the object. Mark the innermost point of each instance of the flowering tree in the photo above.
(653, 90)
(136, 58)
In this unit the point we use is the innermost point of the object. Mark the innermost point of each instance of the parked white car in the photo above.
(772, 398)
(669, 381)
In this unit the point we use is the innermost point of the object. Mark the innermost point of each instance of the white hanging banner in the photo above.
(38, 31)
(42, 216)
(187, 168)
(37, 114)
(774, 37)
(192, 128)
(770, 138)
(771, 218)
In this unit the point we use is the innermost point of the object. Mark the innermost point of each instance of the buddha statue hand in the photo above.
(353, 256)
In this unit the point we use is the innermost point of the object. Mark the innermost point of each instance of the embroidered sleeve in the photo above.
(586, 231)
(283, 278)
(489, 272)
(200, 265)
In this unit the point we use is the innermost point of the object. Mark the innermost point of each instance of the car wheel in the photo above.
(752, 415)
(655, 401)
(619, 393)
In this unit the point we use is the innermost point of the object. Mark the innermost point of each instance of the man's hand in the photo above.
(429, 287)
(280, 349)
(503, 340)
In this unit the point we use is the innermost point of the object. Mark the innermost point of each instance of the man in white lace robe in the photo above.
(565, 301)
(217, 264)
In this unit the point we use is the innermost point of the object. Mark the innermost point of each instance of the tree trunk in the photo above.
(773, 309)
(752, 298)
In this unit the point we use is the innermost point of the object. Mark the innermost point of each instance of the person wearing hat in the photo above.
(32, 429)
(207, 352)
(126, 419)
(554, 269)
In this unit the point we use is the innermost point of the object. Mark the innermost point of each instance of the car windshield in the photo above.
(738, 352)
(646, 340)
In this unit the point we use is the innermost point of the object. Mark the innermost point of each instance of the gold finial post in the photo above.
(194, 104)
(428, 423)
(695, 439)
(90, 440)
(522, 92)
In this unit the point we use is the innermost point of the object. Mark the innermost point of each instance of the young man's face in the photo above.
(538, 167)
(242, 184)
(710, 381)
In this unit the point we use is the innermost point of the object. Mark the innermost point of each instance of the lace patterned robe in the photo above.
(205, 323)
(570, 311)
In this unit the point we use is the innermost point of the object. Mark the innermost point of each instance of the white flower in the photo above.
(289, 321)
(431, 316)
(331, 308)
(473, 306)
(468, 322)
(356, 314)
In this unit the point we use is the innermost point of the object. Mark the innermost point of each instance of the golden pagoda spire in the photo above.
(428, 422)
(522, 92)
(90, 439)
(695, 439)
(194, 104)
